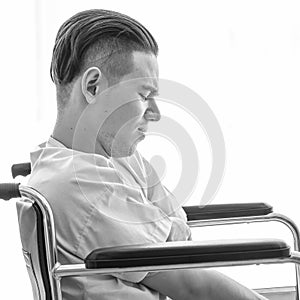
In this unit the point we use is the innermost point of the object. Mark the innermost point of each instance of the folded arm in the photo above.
(196, 284)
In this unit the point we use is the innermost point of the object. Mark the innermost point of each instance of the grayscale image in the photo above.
(132, 133)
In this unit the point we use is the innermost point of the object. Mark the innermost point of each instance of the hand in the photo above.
(180, 231)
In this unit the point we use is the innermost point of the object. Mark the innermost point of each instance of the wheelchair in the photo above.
(46, 272)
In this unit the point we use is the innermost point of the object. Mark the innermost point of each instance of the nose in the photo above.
(152, 113)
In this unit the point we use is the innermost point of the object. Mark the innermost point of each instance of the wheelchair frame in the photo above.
(56, 271)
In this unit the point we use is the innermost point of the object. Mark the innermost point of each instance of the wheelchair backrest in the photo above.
(32, 232)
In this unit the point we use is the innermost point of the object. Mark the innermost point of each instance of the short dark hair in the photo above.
(87, 35)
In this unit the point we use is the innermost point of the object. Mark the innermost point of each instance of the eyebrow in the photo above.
(153, 90)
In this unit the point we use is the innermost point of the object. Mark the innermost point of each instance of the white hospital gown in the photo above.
(99, 202)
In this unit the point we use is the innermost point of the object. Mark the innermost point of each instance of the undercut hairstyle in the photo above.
(97, 37)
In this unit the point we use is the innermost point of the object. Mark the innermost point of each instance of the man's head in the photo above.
(105, 59)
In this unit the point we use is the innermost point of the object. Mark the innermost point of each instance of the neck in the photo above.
(69, 132)
(64, 132)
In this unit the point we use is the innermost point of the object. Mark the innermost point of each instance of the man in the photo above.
(101, 190)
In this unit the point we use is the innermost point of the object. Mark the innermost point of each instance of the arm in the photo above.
(196, 284)
(180, 231)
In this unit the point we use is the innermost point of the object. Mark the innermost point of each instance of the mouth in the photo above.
(142, 129)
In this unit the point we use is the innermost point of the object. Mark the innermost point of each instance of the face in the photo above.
(128, 107)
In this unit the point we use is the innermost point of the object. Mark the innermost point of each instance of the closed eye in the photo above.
(144, 97)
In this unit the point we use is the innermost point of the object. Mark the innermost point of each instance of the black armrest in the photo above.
(220, 211)
(9, 191)
(22, 169)
(186, 252)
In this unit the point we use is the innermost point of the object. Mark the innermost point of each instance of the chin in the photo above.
(123, 152)
(132, 149)
(120, 149)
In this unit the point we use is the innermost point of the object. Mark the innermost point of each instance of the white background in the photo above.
(242, 57)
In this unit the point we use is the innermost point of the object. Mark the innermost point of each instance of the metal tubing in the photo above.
(58, 288)
(56, 271)
(295, 231)
(81, 270)
(49, 233)
(295, 257)
(266, 218)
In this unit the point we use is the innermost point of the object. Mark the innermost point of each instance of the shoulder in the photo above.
(65, 174)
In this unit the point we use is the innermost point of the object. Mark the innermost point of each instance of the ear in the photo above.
(90, 86)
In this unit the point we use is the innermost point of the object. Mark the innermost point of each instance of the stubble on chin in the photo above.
(116, 148)
(112, 146)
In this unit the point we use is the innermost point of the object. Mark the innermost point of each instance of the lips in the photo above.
(142, 129)
(141, 133)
